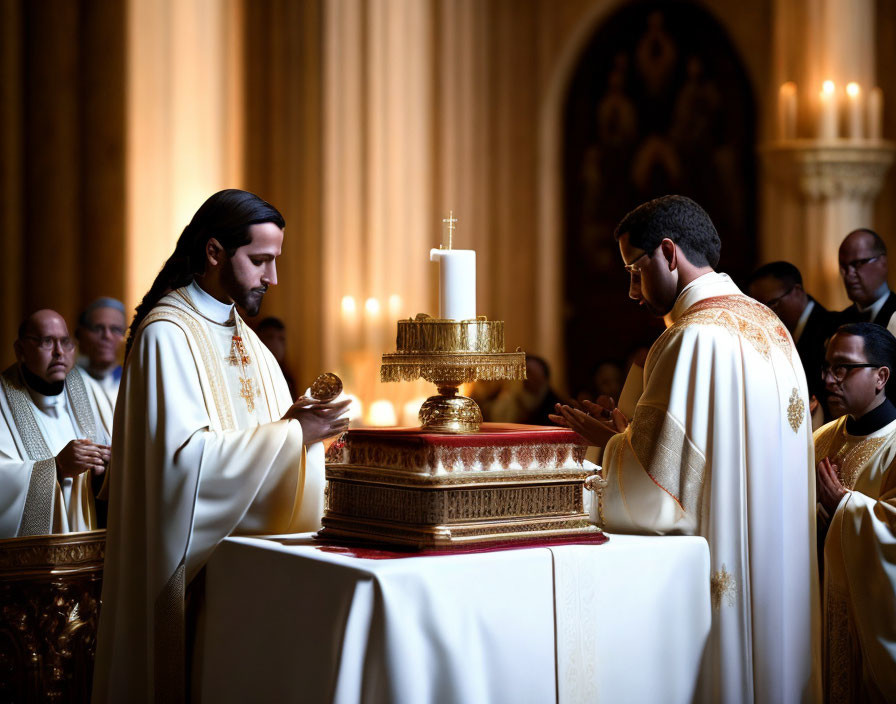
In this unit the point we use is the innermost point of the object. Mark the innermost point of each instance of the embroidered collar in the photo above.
(709, 285)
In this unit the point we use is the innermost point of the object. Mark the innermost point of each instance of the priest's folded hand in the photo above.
(319, 420)
(81, 456)
(597, 432)
(828, 485)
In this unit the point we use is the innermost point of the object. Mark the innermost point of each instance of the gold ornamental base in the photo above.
(450, 412)
(380, 506)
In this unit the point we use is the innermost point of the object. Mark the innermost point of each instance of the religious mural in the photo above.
(659, 103)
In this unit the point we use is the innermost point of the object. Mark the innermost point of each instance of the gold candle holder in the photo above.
(449, 353)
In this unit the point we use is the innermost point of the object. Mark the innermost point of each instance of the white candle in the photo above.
(372, 325)
(457, 283)
(827, 111)
(787, 111)
(853, 111)
(350, 323)
(875, 113)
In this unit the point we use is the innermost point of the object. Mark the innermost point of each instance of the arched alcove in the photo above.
(658, 102)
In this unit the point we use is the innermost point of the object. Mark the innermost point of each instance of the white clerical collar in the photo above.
(209, 306)
(876, 306)
(46, 403)
(708, 285)
(804, 318)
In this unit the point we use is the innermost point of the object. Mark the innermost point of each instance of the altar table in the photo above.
(626, 621)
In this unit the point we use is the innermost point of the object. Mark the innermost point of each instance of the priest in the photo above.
(856, 477)
(54, 434)
(208, 443)
(720, 446)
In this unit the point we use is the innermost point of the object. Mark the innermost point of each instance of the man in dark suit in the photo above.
(779, 285)
(863, 267)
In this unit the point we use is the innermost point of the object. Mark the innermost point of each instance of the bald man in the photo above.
(863, 268)
(55, 430)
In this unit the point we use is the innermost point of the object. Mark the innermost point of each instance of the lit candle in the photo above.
(457, 279)
(382, 414)
(875, 113)
(350, 326)
(787, 111)
(827, 111)
(853, 111)
(372, 324)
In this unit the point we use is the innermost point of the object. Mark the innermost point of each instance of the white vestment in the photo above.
(860, 566)
(33, 430)
(720, 445)
(108, 382)
(199, 453)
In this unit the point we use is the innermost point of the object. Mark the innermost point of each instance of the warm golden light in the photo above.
(828, 87)
(394, 306)
(382, 414)
(348, 305)
(853, 89)
(372, 306)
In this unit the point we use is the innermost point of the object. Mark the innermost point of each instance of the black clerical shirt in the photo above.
(873, 420)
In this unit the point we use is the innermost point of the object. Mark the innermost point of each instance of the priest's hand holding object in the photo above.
(81, 456)
(319, 420)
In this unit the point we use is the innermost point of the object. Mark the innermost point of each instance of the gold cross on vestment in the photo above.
(238, 355)
(248, 392)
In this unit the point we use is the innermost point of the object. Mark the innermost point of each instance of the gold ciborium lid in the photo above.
(449, 353)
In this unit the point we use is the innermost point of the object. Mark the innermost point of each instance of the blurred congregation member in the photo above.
(55, 426)
(100, 334)
(272, 332)
(779, 285)
(863, 268)
(856, 488)
(530, 402)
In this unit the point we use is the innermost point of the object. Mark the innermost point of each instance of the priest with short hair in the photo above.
(856, 480)
(720, 445)
(55, 427)
(208, 443)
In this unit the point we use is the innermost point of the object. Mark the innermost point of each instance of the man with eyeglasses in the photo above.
(55, 430)
(863, 268)
(719, 446)
(856, 486)
(100, 334)
(779, 285)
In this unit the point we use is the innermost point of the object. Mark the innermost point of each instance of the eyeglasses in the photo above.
(98, 329)
(773, 303)
(48, 343)
(840, 371)
(857, 264)
(636, 270)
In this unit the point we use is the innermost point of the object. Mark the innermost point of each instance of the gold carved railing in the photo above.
(49, 608)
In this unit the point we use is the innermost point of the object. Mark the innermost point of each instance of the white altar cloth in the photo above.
(292, 623)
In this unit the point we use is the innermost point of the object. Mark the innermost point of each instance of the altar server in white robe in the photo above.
(55, 425)
(856, 473)
(208, 443)
(720, 445)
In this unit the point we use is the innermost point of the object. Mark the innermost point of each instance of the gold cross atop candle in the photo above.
(450, 221)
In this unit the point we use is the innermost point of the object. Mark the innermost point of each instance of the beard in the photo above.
(248, 299)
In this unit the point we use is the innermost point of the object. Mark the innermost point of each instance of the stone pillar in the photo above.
(818, 188)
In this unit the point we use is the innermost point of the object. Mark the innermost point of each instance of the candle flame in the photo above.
(828, 87)
(788, 88)
(853, 89)
(372, 306)
(382, 413)
(348, 305)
